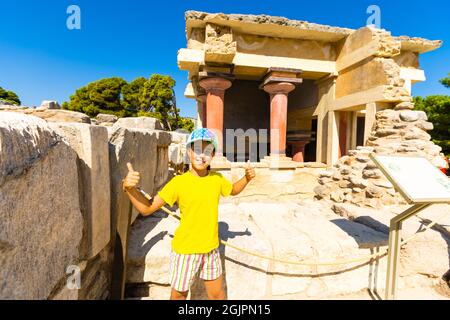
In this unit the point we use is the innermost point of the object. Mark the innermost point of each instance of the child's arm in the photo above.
(239, 185)
(142, 204)
(139, 201)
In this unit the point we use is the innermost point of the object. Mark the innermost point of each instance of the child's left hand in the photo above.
(249, 171)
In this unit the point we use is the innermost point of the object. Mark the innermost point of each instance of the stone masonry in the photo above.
(357, 180)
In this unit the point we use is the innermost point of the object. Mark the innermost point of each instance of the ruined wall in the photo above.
(408, 59)
(61, 202)
(356, 179)
(285, 47)
(382, 71)
(222, 43)
(374, 52)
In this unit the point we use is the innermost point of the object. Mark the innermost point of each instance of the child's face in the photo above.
(200, 154)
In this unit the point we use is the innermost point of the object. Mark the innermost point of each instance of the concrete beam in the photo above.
(415, 75)
(189, 91)
(190, 59)
(357, 101)
(358, 55)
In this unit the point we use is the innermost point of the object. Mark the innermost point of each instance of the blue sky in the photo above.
(41, 59)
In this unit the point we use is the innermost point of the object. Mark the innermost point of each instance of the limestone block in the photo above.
(49, 104)
(387, 115)
(426, 254)
(374, 174)
(149, 249)
(219, 44)
(147, 151)
(43, 230)
(322, 191)
(383, 72)
(411, 116)
(404, 106)
(96, 276)
(327, 174)
(324, 180)
(108, 118)
(382, 183)
(56, 115)
(374, 191)
(358, 182)
(415, 133)
(91, 144)
(94, 279)
(385, 132)
(138, 123)
(337, 196)
(425, 125)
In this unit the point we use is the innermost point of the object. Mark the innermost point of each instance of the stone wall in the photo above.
(60, 198)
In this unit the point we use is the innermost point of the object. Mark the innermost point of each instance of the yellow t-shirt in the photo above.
(198, 200)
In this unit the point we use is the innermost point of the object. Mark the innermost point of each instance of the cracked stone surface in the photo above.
(302, 230)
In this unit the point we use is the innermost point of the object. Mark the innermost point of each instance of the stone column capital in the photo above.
(215, 84)
(279, 87)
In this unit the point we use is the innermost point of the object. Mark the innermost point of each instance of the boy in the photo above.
(197, 191)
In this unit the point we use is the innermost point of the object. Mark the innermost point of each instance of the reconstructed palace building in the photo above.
(314, 89)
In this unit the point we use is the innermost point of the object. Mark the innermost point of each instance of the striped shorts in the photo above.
(184, 267)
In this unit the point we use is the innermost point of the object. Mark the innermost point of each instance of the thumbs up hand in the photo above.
(132, 178)
(249, 171)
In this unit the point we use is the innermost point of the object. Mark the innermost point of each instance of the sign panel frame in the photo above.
(404, 189)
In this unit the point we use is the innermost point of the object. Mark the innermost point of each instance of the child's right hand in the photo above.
(132, 178)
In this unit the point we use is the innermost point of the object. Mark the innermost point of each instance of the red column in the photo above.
(298, 150)
(278, 115)
(215, 92)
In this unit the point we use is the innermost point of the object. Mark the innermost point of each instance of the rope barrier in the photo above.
(314, 263)
(309, 263)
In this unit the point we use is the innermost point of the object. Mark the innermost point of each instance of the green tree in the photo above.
(186, 123)
(446, 81)
(158, 97)
(132, 94)
(153, 97)
(437, 108)
(102, 96)
(9, 96)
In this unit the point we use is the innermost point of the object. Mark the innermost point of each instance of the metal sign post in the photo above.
(421, 184)
(395, 229)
